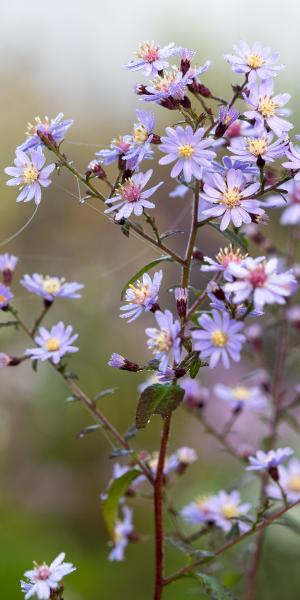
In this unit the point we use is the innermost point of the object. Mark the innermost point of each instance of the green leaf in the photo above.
(145, 269)
(167, 234)
(88, 429)
(213, 589)
(194, 368)
(186, 548)
(157, 399)
(112, 496)
(125, 228)
(234, 238)
(9, 324)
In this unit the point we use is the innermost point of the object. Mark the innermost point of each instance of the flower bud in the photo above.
(181, 297)
(119, 362)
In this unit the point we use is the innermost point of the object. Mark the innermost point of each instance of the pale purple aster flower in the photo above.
(195, 395)
(55, 129)
(181, 459)
(241, 396)
(44, 579)
(169, 88)
(290, 202)
(151, 58)
(118, 148)
(141, 296)
(188, 149)
(293, 155)
(222, 305)
(141, 139)
(121, 534)
(259, 278)
(5, 296)
(130, 197)
(231, 195)
(268, 460)
(179, 191)
(8, 263)
(232, 163)
(165, 342)
(227, 116)
(219, 339)
(258, 147)
(267, 108)
(224, 257)
(53, 344)
(30, 174)
(49, 287)
(117, 361)
(227, 508)
(289, 478)
(255, 60)
(198, 511)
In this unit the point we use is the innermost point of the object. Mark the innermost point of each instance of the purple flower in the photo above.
(254, 61)
(240, 396)
(8, 263)
(55, 129)
(227, 116)
(118, 148)
(53, 344)
(289, 478)
(5, 296)
(122, 531)
(165, 342)
(130, 198)
(293, 155)
(5, 360)
(224, 257)
(231, 163)
(258, 278)
(227, 508)
(169, 88)
(44, 579)
(189, 151)
(140, 140)
(267, 460)
(151, 58)
(29, 174)
(198, 511)
(258, 147)
(179, 191)
(117, 361)
(231, 194)
(51, 287)
(141, 296)
(266, 109)
(219, 338)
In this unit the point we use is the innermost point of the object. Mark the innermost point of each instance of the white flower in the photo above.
(43, 579)
(123, 529)
(289, 478)
(227, 509)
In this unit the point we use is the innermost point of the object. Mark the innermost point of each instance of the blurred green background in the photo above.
(67, 56)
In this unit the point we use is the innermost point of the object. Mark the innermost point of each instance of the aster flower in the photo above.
(117, 361)
(259, 278)
(227, 508)
(195, 395)
(231, 195)
(219, 339)
(224, 257)
(181, 459)
(140, 140)
(293, 155)
(254, 61)
(151, 58)
(199, 511)
(169, 88)
(121, 535)
(43, 580)
(118, 148)
(240, 396)
(179, 191)
(8, 263)
(227, 116)
(53, 344)
(142, 296)
(49, 287)
(5, 296)
(258, 147)
(290, 201)
(55, 129)
(165, 342)
(269, 460)
(188, 149)
(266, 108)
(289, 478)
(181, 297)
(229, 162)
(30, 174)
(130, 197)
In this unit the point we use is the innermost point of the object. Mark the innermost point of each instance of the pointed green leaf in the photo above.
(157, 399)
(213, 589)
(112, 496)
(144, 269)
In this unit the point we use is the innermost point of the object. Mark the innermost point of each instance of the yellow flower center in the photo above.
(141, 292)
(2, 298)
(241, 393)
(267, 107)
(163, 341)
(140, 134)
(219, 338)
(52, 344)
(162, 84)
(51, 285)
(30, 174)
(255, 61)
(294, 483)
(227, 255)
(257, 147)
(185, 151)
(231, 197)
(229, 511)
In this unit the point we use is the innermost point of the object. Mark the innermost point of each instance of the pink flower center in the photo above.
(130, 192)
(43, 572)
(148, 52)
(258, 276)
(121, 145)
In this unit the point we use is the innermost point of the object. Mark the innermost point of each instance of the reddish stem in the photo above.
(158, 510)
